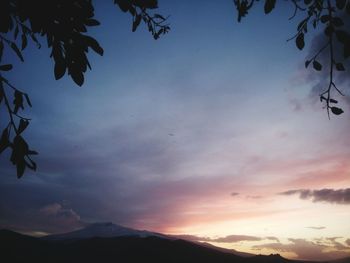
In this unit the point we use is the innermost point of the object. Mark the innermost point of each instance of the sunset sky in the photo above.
(215, 131)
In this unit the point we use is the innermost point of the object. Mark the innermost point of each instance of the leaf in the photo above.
(1, 49)
(340, 66)
(15, 48)
(299, 41)
(16, 32)
(91, 42)
(78, 78)
(337, 21)
(6, 67)
(159, 16)
(307, 62)
(124, 5)
(269, 6)
(60, 69)
(324, 18)
(27, 99)
(317, 65)
(136, 22)
(18, 101)
(1, 92)
(31, 165)
(336, 111)
(342, 36)
(23, 124)
(92, 22)
(333, 101)
(21, 166)
(4, 140)
(340, 4)
(24, 41)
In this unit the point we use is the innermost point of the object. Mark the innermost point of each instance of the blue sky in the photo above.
(163, 132)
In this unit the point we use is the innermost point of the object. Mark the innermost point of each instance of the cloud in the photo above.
(61, 217)
(316, 227)
(273, 238)
(306, 250)
(348, 242)
(226, 239)
(235, 238)
(339, 196)
(234, 194)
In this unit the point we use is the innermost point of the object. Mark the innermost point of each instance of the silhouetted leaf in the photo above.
(31, 164)
(324, 18)
(342, 36)
(307, 63)
(60, 68)
(6, 67)
(16, 32)
(159, 16)
(336, 111)
(150, 4)
(340, 4)
(333, 101)
(27, 99)
(4, 140)
(92, 22)
(1, 48)
(269, 6)
(124, 5)
(18, 101)
(91, 42)
(78, 78)
(337, 21)
(317, 65)
(136, 22)
(30, 152)
(1, 92)
(21, 166)
(15, 48)
(23, 124)
(299, 41)
(340, 66)
(24, 41)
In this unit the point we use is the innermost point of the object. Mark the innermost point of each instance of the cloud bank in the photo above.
(339, 196)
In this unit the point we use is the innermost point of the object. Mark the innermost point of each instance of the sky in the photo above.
(212, 131)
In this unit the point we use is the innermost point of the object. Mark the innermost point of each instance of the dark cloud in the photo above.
(306, 250)
(339, 196)
(348, 242)
(316, 227)
(236, 238)
(234, 194)
(273, 238)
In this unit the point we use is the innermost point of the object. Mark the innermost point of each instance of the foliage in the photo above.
(64, 24)
(327, 15)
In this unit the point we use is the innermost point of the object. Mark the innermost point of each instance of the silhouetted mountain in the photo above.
(128, 249)
(103, 230)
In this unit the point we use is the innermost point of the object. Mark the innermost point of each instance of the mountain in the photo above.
(103, 230)
(17, 248)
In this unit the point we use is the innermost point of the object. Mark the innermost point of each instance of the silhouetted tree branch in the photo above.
(317, 13)
(64, 24)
